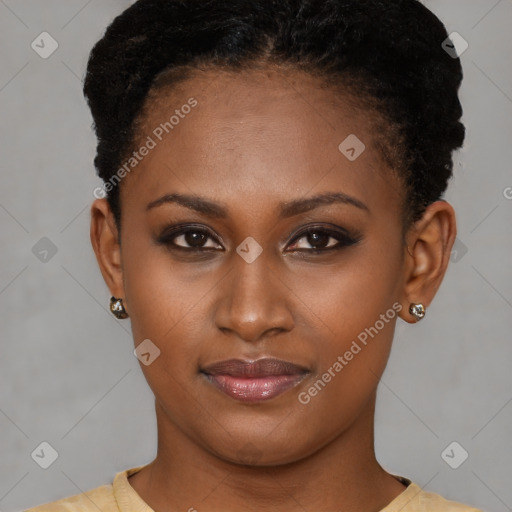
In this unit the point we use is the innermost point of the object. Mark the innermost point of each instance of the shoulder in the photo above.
(414, 499)
(432, 501)
(114, 497)
(101, 498)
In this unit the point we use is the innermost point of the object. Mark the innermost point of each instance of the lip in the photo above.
(254, 381)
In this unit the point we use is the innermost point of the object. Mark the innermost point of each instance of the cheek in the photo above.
(355, 314)
(160, 292)
(344, 299)
(351, 311)
(351, 316)
(168, 304)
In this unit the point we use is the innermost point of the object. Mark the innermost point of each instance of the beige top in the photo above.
(120, 496)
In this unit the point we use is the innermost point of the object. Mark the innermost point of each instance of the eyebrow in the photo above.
(287, 209)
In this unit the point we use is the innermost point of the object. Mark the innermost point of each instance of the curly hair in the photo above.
(386, 53)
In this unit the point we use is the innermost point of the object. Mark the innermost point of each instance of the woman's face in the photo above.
(249, 156)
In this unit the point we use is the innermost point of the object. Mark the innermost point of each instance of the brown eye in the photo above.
(318, 239)
(188, 238)
(321, 240)
(195, 238)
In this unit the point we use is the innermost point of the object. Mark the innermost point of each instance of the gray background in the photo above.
(68, 374)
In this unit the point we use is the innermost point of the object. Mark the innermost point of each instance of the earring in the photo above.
(417, 311)
(117, 308)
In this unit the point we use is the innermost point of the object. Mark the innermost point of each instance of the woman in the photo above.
(272, 204)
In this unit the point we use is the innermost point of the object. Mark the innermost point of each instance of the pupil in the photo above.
(318, 239)
(195, 239)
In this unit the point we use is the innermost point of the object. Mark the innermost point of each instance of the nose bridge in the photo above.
(251, 302)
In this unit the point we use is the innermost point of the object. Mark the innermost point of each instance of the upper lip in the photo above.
(259, 368)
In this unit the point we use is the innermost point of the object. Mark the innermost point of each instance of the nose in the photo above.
(253, 302)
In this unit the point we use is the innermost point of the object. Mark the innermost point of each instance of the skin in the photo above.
(255, 140)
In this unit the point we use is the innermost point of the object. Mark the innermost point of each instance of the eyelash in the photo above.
(343, 238)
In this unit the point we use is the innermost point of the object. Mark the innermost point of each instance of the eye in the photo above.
(314, 239)
(189, 238)
(322, 240)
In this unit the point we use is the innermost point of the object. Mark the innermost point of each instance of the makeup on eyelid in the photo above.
(341, 236)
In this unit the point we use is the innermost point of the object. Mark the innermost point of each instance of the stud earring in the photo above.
(117, 308)
(417, 311)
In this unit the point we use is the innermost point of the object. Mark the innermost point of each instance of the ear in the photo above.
(429, 244)
(105, 242)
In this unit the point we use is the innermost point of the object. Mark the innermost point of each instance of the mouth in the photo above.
(254, 381)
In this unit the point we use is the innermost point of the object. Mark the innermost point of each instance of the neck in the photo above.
(342, 475)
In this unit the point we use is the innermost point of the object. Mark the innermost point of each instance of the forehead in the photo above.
(261, 133)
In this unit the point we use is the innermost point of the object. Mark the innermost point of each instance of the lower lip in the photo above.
(254, 389)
